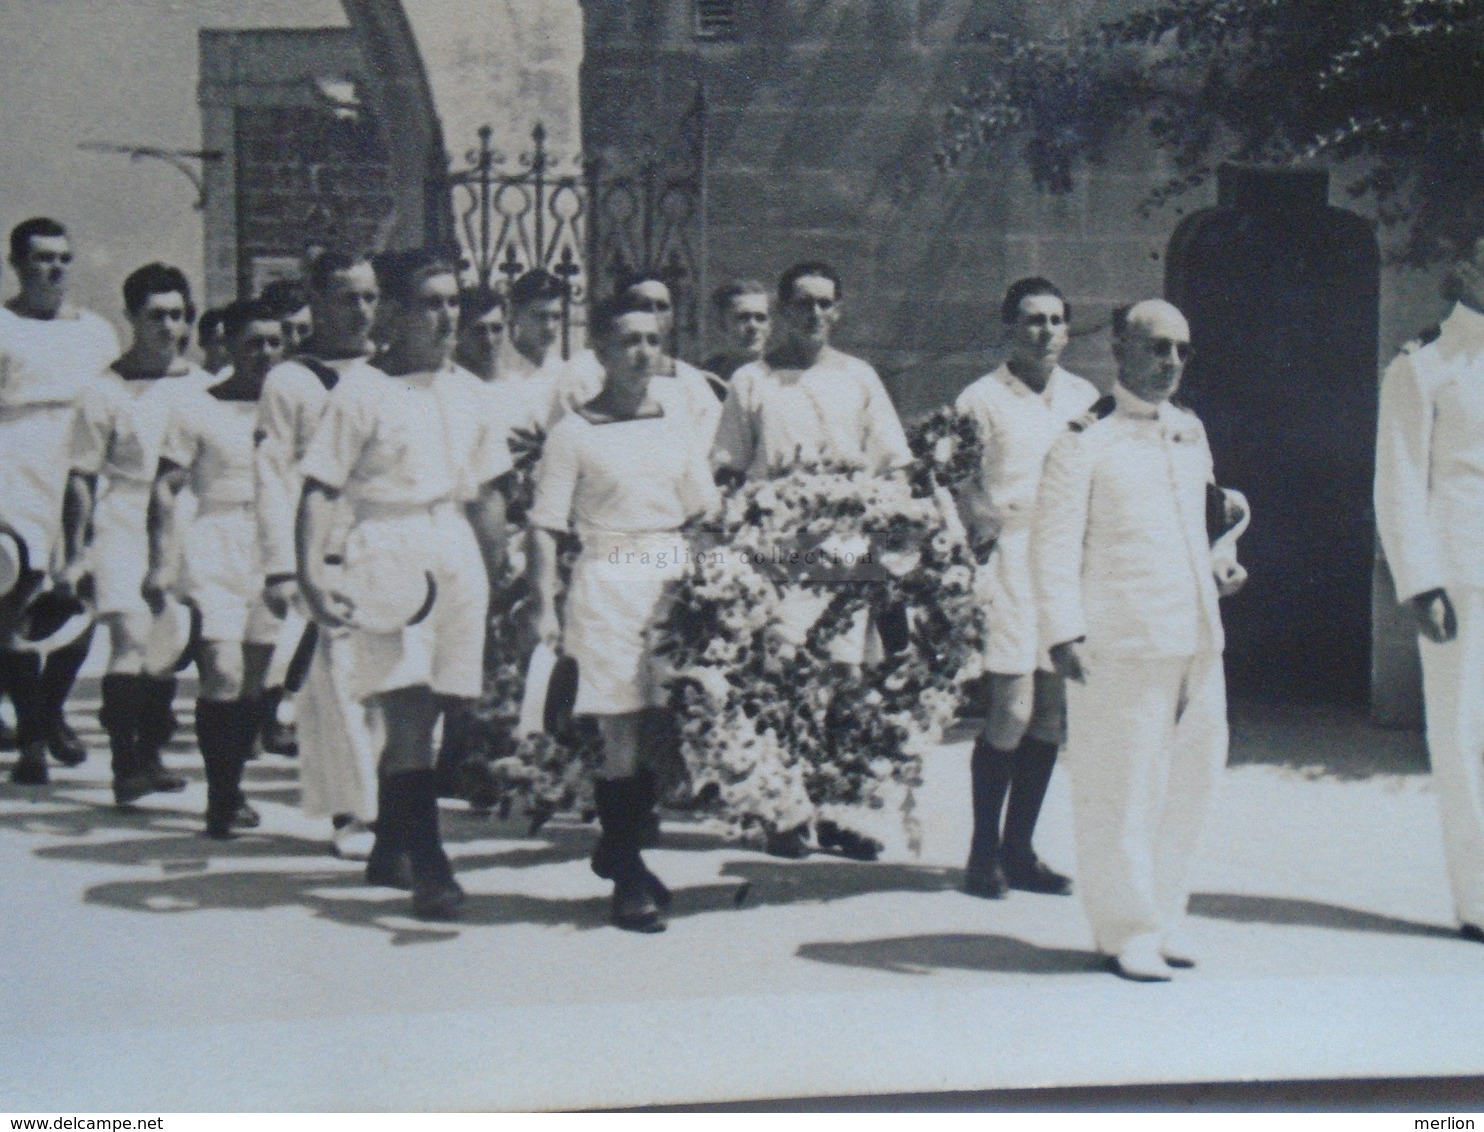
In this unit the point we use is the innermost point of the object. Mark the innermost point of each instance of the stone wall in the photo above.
(820, 143)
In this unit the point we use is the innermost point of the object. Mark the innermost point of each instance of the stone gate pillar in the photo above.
(438, 70)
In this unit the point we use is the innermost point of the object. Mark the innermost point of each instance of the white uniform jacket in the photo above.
(1430, 461)
(1120, 551)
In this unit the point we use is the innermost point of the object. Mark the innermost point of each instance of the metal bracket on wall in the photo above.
(176, 158)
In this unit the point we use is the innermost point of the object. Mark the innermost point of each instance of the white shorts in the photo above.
(119, 554)
(610, 607)
(1008, 592)
(34, 459)
(445, 650)
(222, 576)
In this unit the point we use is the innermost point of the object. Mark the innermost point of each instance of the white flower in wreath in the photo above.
(900, 563)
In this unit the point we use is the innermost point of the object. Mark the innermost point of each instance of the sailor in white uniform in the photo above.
(49, 350)
(687, 393)
(412, 454)
(337, 766)
(1430, 515)
(119, 427)
(1020, 410)
(621, 471)
(807, 402)
(208, 447)
(1128, 595)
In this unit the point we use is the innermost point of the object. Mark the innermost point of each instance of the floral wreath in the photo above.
(781, 704)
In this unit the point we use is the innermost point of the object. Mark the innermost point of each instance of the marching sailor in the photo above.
(337, 773)
(208, 447)
(49, 351)
(622, 473)
(1020, 410)
(410, 450)
(120, 425)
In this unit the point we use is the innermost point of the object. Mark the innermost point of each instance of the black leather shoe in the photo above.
(1472, 932)
(132, 787)
(604, 865)
(792, 844)
(165, 781)
(856, 846)
(440, 900)
(1034, 875)
(390, 870)
(7, 736)
(30, 768)
(985, 879)
(634, 908)
(280, 739)
(65, 746)
(246, 817)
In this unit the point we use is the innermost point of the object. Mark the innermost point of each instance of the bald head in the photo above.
(1152, 345)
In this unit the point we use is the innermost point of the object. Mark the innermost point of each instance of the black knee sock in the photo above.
(419, 810)
(157, 715)
(119, 716)
(989, 777)
(1034, 762)
(225, 730)
(59, 674)
(23, 680)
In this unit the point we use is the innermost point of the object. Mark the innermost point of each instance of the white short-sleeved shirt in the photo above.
(1018, 427)
(412, 439)
(120, 424)
(289, 410)
(212, 438)
(685, 393)
(50, 360)
(629, 476)
(837, 409)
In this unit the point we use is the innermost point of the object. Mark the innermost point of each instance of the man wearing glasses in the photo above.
(1128, 594)
(49, 351)
(806, 401)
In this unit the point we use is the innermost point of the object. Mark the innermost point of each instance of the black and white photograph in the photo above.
(596, 554)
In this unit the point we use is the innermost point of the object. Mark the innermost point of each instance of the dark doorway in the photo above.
(1282, 293)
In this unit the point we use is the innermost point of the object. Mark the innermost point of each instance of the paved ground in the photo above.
(151, 969)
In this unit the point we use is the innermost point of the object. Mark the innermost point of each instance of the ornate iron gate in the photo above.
(587, 222)
(649, 212)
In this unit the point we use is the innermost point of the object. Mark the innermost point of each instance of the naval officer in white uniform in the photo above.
(1128, 594)
(1430, 515)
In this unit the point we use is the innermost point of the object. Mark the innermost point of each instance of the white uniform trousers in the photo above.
(1453, 690)
(1146, 744)
(337, 755)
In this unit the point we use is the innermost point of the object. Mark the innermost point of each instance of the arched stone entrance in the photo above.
(1282, 293)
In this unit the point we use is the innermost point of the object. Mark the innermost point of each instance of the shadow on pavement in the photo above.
(1322, 741)
(924, 954)
(1285, 911)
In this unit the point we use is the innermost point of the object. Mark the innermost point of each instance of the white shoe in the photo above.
(353, 841)
(1176, 949)
(1141, 962)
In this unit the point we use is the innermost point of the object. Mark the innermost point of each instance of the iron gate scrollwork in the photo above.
(507, 223)
(648, 213)
(584, 220)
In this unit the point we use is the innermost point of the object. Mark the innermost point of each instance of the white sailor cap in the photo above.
(382, 601)
(174, 635)
(51, 619)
